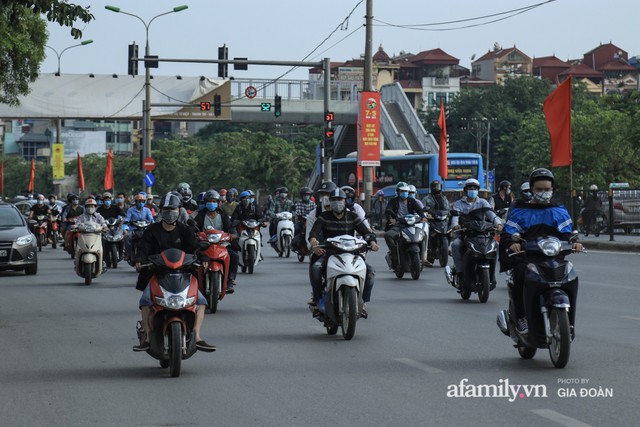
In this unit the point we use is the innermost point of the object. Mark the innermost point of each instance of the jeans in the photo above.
(457, 251)
(391, 236)
(234, 259)
(317, 268)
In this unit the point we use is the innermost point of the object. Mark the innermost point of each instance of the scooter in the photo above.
(54, 219)
(550, 292)
(250, 242)
(174, 292)
(284, 234)
(298, 244)
(113, 241)
(71, 237)
(440, 233)
(134, 237)
(41, 230)
(88, 258)
(479, 259)
(215, 278)
(341, 303)
(411, 247)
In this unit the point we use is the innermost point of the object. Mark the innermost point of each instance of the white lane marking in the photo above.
(261, 308)
(419, 365)
(631, 317)
(557, 417)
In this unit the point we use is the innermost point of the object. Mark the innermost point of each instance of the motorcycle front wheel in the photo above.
(483, 293)
(286, 240)
(416, 265)
(560, 345)
(114, 256)
(213, 286)
(251, 259)
(444, 253)
(86, 272)
(175, 349)
(349, 312)
(40, 238)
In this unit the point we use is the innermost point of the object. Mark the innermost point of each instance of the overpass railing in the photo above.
(267, 89)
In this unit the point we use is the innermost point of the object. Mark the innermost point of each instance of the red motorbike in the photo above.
(71, 237)
(214, 279)
(40, 229)
(174, 292)
(54, 219)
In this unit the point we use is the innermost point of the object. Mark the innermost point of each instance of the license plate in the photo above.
(3, 252)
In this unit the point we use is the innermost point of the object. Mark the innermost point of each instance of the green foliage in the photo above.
(17, 172)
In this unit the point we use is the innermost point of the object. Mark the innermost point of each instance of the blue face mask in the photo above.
(412, 195)
(404, 194)
(472, 194)
(140, 205)
(107, 203)
(99, 202)
(252, 200)
(201, 206)
(211, 206)
(119, 200)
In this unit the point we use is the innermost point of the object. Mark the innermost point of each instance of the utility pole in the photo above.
(367, 87)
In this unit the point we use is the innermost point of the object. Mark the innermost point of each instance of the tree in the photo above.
(23, 37)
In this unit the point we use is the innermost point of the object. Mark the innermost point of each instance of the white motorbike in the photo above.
(250, 242)
(282, 245)
(88, 257)
(341, 303)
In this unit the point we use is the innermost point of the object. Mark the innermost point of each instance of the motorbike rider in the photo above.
(90, 214)
(247, 209)
(525, 192)
(503, 198)
(539, 217)
(322, 204)
(397, 208)
(229, 204)
(152, 206)
(435, 200)
(379, 207)
(353, 206)
(162, 235)
(108, 209)
(121, 201)
(69, 214)
(469, 202)
(592, 206)
(137, 212)
(213, 216)
(54, 209)
(187, 200)
(301, 209)
(280, 204)
(39, 208)
(413, 193)
(332, 223)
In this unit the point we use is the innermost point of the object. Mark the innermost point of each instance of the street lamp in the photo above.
(86, 42)
(146, 148)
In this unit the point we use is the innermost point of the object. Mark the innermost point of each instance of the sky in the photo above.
(289, 30)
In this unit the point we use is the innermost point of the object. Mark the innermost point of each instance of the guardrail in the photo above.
(267, 89)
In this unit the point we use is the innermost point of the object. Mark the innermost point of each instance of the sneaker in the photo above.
(363, 312)
(231, 286)
(202, 345)
(142, 347)
(522, 326)
(273, 239)
(312, 302)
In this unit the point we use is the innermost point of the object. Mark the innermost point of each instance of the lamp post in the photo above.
(86, 42)
(146, 147)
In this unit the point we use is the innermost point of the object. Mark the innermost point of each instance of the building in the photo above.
(498, 64)
(613, 63)
(548, 68)
(591, 78)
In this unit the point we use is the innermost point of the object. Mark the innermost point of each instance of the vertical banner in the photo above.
(57, 159)
(108, 173)
(369, 120)
(32, 176)
(443, 169)
(80, 174)
(557, 111)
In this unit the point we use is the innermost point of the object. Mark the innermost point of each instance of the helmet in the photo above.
(70, 197)
(337, 194)
(306, 191)
(142, 196)
(380, 193)
(412, 188)
(327, 187)
(170, 201)
(525, 191)
(223, 191)
(284, 190)
(525, 186)
(471, 182)
(349, 192)
(183, 187)
(90, 202)
(435, 186)
(149, 197)
(593, 187)
(52, 195)
(201, 196)
(540, 174)
(504, 184)
(98, 197)
(107, 195)
(402, 186)
(244, 194)
(40, 197)
(211, 195)
(233, 191)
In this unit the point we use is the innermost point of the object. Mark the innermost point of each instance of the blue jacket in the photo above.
(133, 214)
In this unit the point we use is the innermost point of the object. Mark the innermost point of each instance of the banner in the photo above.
(80, 174)
(108, 172)
(557, 111)
(32, 177)
(443, 169)
(57, 160)
(369, 135)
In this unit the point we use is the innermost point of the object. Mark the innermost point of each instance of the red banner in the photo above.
(80, 174)
(369, 135)
(108, 173)
(557, 111)
(443, 167)
(32, 176)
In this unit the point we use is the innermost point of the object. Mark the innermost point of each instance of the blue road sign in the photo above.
(149, 179)
(490, 175)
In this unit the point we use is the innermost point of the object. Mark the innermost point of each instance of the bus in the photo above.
(416, 169)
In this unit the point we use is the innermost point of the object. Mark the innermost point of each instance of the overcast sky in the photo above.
(290, 29)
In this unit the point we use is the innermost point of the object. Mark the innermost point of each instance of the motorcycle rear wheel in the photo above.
(483, 293)
(349, 312)
(175, 349)
(54, 241)
(114, 256)
(560, 345)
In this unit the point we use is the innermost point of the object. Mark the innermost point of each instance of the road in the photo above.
(67, 359)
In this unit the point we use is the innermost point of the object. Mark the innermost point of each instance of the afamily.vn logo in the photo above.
(502, 389)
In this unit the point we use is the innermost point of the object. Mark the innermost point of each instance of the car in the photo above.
(626, 209)
(24, 206)
(18, 248)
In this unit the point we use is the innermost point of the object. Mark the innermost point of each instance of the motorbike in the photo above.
(54, 219)
(479, 259)
(174, 292)
(250, 242)
(341, 302)
(71, 237)
(284, 234)
(298, 244)
(135, 235)
(113, 241)
(40, 230)
(440, 233)
(550, 291)
(411, 247)
(215, 278)
(596, 224)
(88, 257)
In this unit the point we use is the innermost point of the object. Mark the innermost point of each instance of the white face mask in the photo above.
(338, 206)
(91, 210)
(543, 197)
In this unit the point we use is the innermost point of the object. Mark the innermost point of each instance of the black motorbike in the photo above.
(550, 292)
(479, 259)
(410, 248)
(439, 235)
(134, 237)
(113, 242)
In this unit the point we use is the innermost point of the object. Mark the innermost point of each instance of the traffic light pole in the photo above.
(327, 92)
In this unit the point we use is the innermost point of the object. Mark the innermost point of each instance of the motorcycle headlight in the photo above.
(214, 238)
(89, 228)
(175, 302)
(550, 246)
(24, 240)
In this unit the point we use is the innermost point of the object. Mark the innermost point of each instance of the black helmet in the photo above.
(211, 195)
(337, 194)
(504, 184)
(170, 201)
(435, 186)
(70, 197)
(284, 190)
(349, 192)
(305, 191)
(327, 187)
(52, 195)
(540, 174)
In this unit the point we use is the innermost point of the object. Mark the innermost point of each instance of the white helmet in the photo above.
(525, 186)
(593, 187)
(471, 181)
(412, 188)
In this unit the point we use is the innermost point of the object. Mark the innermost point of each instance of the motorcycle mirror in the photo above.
(191, 223)
(516, 237)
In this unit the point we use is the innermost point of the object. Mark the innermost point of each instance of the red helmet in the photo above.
(223, 191)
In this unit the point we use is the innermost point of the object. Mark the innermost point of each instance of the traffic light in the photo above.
(132, 65)
(217, 105)
(223, 54)
(277, 105)
(328, 142)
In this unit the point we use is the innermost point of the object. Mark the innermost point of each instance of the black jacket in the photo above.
(242, 213)
(393, 205)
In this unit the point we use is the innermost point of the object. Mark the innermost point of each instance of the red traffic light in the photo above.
(328, 116)
(328, 133)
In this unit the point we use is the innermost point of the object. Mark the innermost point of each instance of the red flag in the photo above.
(2, 178)
(108, 173)
(443, 169)
(80, 174)
(32, 178)
(557, 111)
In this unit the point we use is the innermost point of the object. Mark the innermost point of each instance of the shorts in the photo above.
(145, 299)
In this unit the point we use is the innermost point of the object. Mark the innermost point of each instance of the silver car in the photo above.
(626, 209)
(18, 248)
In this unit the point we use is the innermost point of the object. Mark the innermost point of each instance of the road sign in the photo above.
(149, 164)
(149, 179)
(490, 176)
(250, 92)
(265, 106)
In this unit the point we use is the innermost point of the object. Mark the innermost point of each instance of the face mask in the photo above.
(107, 203)
(508, 191)
(99, 202)
(140, 205)
(170, 216)
(201, 206)
(223, 198)
(349, 201)
(526, 196)
(324, 200)
(283, 195)
(337, 206)
(412, 195)
(306, 198)
(91, 210)
(75, 202)
(119, 200)
(252, 200)
(543, 197)
(472, 194)
(211, 206)
(40, 202)
(404, 194)
(245, 202)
